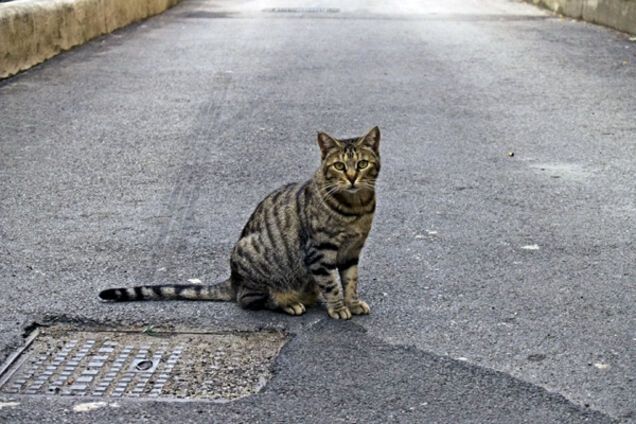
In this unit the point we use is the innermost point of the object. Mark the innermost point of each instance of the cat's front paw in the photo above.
(359, 307)
(339, 312)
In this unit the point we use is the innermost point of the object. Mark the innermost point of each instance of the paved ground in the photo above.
(502, 288)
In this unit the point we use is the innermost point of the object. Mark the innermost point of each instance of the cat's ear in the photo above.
(326, 143)
(372, 139)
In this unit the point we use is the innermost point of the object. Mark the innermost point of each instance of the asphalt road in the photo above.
(502, 287)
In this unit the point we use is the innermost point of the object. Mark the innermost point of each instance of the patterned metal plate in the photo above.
(114, 364)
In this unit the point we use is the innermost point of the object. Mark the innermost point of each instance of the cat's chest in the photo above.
(352, 230)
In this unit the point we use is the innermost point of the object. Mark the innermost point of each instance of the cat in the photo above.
(301, 243)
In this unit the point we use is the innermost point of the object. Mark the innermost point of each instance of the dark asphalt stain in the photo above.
(536, 357)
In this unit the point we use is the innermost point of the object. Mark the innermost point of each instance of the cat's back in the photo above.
(278, 210)
(271, 241)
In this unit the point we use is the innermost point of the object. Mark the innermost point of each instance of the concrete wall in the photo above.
(32, 31)
(617, 14)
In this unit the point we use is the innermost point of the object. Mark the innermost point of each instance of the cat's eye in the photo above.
(339, 166)
(363, 164)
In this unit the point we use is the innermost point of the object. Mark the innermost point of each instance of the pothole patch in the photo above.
(160, 366)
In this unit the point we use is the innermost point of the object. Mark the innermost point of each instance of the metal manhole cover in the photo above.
(224, 366)
(302, 10)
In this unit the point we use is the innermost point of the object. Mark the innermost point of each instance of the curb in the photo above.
(617, 14)
(32, 31)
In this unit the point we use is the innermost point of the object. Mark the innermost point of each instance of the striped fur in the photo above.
(222, 291)
(301, 243)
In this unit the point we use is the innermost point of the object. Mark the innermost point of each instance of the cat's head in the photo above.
(350, 165)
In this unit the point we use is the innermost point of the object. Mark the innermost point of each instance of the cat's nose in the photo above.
(352, 179)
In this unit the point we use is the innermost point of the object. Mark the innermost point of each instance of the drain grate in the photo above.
(222, 366)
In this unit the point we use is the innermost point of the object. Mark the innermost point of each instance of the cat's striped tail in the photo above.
(220, 291)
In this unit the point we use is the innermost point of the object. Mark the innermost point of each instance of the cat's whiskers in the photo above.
(329, 190)
(368, 184)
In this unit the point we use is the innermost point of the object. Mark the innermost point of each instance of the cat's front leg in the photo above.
(349, 276)
(321, 261)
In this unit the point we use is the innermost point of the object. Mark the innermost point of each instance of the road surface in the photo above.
(501, 267)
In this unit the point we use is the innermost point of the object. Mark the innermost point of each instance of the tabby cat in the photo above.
(302, 242)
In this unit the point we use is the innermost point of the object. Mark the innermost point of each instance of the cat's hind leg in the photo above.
(289, 301)
(252, 299)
